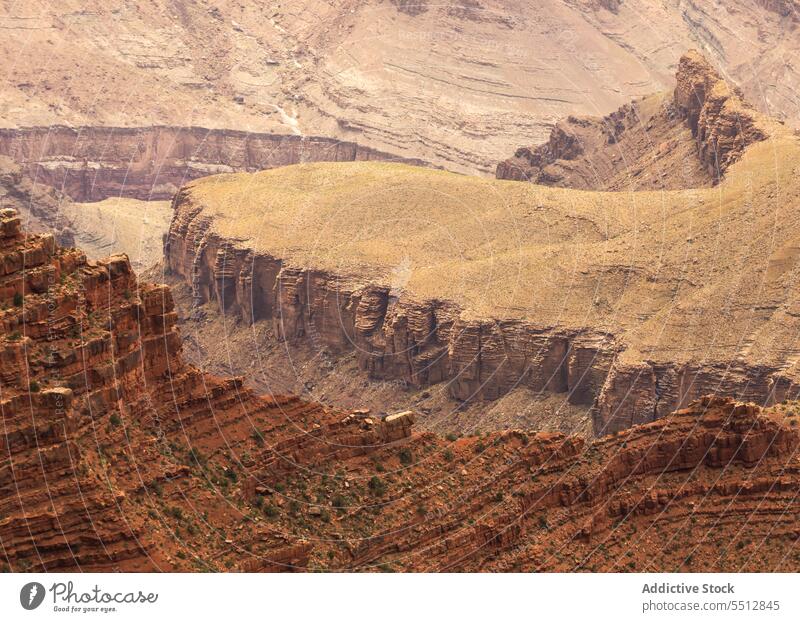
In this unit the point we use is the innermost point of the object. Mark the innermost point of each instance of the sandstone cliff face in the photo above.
(596, 324)
(96, 403)
(722, 124)
(687, 140)
(395, 337)
(151, 163)
(118, 456)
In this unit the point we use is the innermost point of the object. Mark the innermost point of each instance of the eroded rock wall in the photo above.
(686, 139)
(151, 163)
(96, 401)
(423, 342)
(394, 336)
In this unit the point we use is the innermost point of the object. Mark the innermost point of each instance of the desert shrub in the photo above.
(270, 510)
(377, 486)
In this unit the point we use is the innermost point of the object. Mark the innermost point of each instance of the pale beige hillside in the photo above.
(119, 225)
(695, 273)
(461, 84)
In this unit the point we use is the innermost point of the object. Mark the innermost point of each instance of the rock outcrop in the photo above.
(116, 455)
(395, 336)
(151, 163)
(619, 301)
(721, 123)
(459, 84)
(96, 401)
(42, 206)
(684, 140)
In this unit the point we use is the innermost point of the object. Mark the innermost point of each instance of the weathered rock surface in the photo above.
(151, 163)
(461, 85)
(96, 401)
(41, 206)
(671, 495)
(616, 300)
(117, 455)
(687, 139)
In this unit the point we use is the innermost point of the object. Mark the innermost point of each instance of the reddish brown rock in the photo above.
(686, 139)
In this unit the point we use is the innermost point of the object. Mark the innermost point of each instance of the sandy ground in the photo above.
(121, 226)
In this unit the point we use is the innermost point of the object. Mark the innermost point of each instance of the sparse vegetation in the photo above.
(377, 486)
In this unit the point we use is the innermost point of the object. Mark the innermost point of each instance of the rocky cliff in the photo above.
(460, 85)
(151, 163)
(616, 300)
(42, 207)
(687, 139)
(119, 456)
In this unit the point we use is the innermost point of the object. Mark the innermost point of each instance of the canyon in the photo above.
(118, 455)
(458, 86)
(427, 277)
(392, 285)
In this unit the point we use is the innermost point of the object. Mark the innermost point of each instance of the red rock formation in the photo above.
(660, 142)
(118, 455)
(95, 398)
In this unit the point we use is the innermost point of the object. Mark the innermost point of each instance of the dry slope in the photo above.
(457, 84)
(636, 302)
(117, 455)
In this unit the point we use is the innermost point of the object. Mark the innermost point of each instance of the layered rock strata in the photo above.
(706, 488)
(116, 455)
(686, 139)
(418, 342)
(42, 207)
(151, 163)
(616, 300)
(458, 84)
(96, 403)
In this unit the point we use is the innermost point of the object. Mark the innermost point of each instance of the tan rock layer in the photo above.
(151, 163)
(398, 338)
(394, 337)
